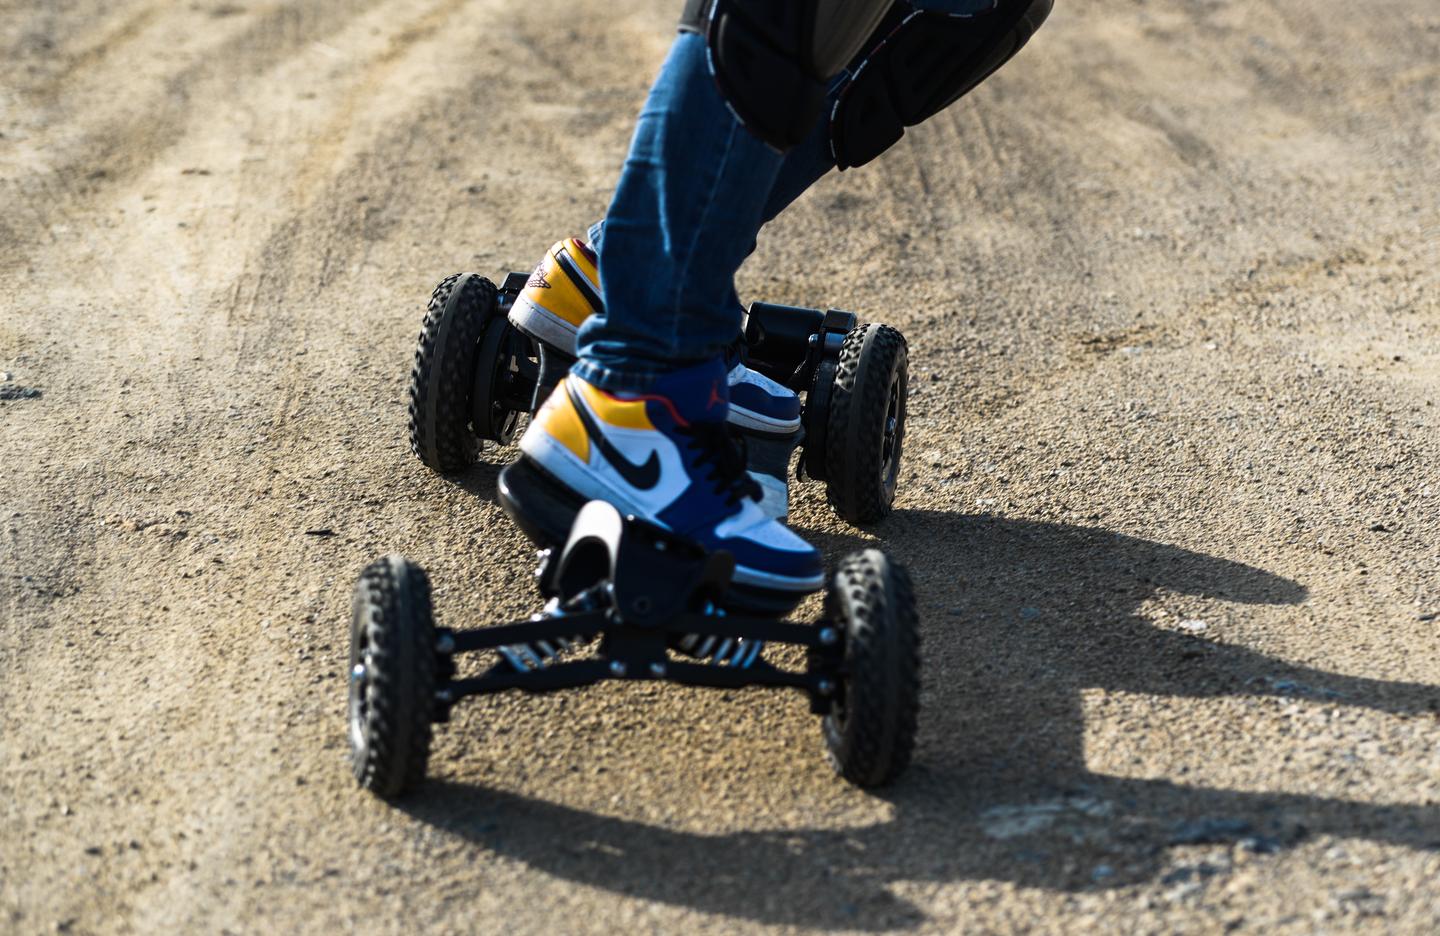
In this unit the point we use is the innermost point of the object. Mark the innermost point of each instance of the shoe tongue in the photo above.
(699, 394)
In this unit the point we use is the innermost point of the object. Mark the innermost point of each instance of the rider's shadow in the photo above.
(1021, 617)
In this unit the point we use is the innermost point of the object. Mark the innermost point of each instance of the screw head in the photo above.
(826, 687)
(617, 668)
(829, 635)
(657, 670)
(357, 672)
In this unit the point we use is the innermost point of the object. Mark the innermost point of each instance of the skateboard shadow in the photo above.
(1018, 617)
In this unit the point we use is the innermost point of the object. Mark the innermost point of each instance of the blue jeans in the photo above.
(694, 193)
(696, 188)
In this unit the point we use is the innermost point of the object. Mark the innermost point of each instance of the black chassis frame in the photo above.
(639, 588)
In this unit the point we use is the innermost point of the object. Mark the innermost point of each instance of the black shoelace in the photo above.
(723, 450)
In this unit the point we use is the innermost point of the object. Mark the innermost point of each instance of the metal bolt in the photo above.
(444, 697)
(357, 672)
(617, 668)
(445, 645)
(657, 670)
(826, 687)
(829, 635)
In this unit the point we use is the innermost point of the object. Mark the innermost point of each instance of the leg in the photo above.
(690, 201)
(641, 420)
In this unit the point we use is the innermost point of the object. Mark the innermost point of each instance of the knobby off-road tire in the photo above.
(870, 732)
(443, 377)
(392, 676)
(866, 428)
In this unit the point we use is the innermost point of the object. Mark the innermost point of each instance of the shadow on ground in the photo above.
(1021, 616)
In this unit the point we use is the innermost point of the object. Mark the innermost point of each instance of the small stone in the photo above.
(1194, 626)
(1260, 845)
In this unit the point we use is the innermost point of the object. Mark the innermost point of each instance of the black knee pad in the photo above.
(773, 59)
(923, 63)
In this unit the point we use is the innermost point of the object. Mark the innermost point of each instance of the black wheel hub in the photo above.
(505, 374)
(892, 433)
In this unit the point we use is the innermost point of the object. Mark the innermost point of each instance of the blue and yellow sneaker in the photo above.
(564, 291)
(667, 456)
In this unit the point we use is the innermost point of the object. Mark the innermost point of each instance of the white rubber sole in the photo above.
(757, 422)
(543, 325)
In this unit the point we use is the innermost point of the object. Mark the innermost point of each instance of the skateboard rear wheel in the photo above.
(865, 425)
(393, 674)
(442, 380)
(870, 731)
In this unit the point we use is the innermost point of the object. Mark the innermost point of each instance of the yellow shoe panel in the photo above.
(558, 418)
(551, 289)
(582, 260)
(623, 414)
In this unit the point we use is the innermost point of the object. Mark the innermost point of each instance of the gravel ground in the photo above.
(1170, 285)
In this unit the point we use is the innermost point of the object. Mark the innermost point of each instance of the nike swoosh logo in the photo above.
(641, 477)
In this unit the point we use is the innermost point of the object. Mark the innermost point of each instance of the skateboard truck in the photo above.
(629, 600)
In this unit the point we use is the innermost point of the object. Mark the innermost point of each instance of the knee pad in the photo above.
(917, 65)
(773, 60)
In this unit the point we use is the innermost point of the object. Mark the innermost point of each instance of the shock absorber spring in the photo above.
(739, 652)
(527, 657)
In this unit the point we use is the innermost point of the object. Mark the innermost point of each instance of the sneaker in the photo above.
(564, 291)
(668, 456)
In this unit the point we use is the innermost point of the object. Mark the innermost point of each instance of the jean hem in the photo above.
(629, 379)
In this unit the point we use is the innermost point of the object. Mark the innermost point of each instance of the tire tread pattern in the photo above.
(441, 378)
(392, 602)
(869, 356)
(871, 741)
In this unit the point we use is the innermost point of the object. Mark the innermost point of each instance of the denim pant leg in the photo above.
(804, 165)
(690, 200)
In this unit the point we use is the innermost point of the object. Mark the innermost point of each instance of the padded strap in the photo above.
(919, 64)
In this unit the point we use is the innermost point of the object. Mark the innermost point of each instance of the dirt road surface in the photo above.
(1170, 284)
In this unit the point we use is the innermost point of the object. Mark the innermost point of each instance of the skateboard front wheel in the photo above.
(870, 730)
(393, 675)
